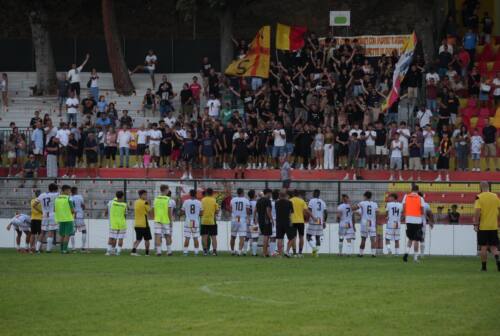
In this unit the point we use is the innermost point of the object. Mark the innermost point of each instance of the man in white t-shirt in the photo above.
(124, 138)
(141, 137)
(429, 148)
(404, 137)
(154, 144)
(72, 105)
(279, 136)
(370, 136)
(213, 105)
(432, 74)
(149, 66)
(63, 136)
(170, 120)
(424, 116)
(74, 76)
(396, 163)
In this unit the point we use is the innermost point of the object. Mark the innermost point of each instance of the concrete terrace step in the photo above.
(22, 104)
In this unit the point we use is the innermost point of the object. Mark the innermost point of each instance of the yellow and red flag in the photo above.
(289, 37)
(256, 61)
(400, 70)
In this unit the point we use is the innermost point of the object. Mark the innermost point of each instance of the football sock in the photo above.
(185, 250)
(118, 249)
(361, 251)
(422, 248)
(388, 245)
(72, 241)
(110, 248)
(38, 245)
(483, 266)
(84, 239)
(272, 247)
(245, 246)
(158, 249)
(254, 248)
(18, 246)
(134, 250)
(65, 246)
(341, 245)
(196, 250)
(310, 243)
(49, 243)
(169, 248)
(415, 256)
(396, 251)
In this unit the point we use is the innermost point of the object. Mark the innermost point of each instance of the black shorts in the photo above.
(210, 230)
(291, 232)
(414, 232)
(487, 237)
(76, 88)
(281, 229)
(241, 159)
(143, 233)
(266, 229)
(140, 149)
(36, 226)
(299, 227)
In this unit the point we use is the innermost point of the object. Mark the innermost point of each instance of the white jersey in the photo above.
(368, 211)
(239, 207)
(253, 209)
(345, 215)
(394, 212)
(78, 203)
(273, 210)
(20, 220)
(192, 209)
(318, 207)
(47, 200)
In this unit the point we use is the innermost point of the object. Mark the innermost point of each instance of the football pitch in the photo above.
(93, 294)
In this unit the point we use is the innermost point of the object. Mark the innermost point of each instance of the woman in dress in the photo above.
(319, 142)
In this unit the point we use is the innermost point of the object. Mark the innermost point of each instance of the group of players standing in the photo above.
(271, 215)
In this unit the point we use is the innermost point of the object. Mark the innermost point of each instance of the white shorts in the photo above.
(239, 229)
(368, 231)
(191, 229)
(314, 229)
(117, 234)
(154, 149)
(22, 227)
(253, 231)
(392, 234)
(346, 232)
(80, 225)
(163, 229)
(49, 224)
(381, 150)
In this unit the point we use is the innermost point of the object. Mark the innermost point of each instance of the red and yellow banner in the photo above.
(289, 37)
(400, 70)
(256, 61)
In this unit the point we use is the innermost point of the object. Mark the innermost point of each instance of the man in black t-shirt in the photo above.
(490, 145)
(284, 210)
(381, 150)
(265, 219)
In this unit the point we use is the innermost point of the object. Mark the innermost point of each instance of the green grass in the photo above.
(97, 295)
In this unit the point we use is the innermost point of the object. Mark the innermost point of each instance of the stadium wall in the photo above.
(459, 240)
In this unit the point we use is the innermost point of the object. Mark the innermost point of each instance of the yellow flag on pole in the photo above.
(256, 61)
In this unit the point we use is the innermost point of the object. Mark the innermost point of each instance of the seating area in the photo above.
(22, 104)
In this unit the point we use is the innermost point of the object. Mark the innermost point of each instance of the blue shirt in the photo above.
(470, 41)
(103, 122)
(37, 138)
(101, 106)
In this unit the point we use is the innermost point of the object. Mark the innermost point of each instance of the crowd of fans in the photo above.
(320, 109)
